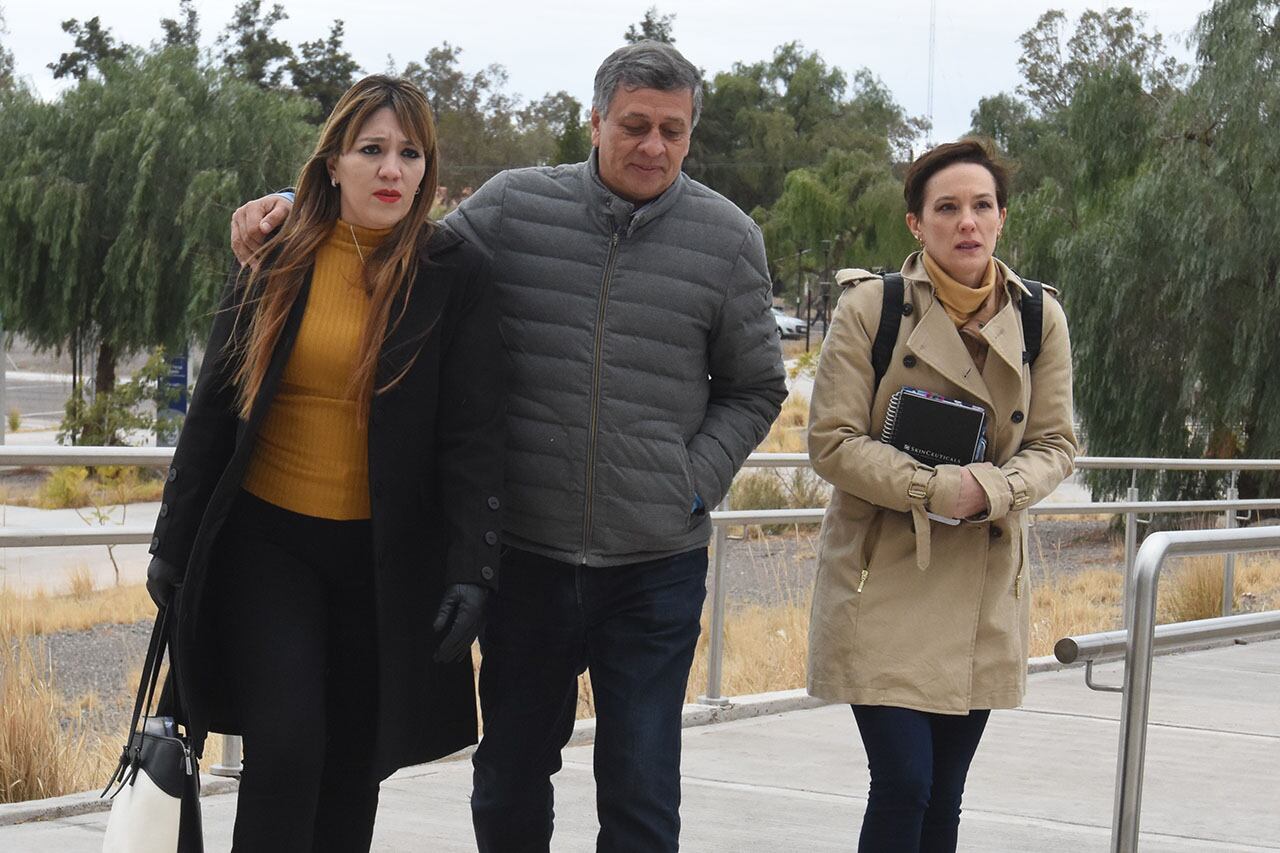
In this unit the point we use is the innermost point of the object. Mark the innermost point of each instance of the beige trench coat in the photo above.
(909, 612)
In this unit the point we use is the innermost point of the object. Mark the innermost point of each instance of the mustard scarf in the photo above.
(959, 300)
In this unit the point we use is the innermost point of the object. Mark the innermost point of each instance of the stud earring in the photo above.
(333, 181)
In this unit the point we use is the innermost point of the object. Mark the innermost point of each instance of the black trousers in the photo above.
(296, 626)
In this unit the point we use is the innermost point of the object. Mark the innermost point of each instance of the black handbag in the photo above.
(155, 807)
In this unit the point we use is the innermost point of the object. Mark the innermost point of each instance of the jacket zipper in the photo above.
(595, 391)
(862, 581)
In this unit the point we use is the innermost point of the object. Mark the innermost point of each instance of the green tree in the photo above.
(94, 47)
(6, 60)
(89, 258)
(1054, 62)
(1150, 198)
(478, 122)
(250, 50)
(653, 27)
(323, 70)
(185, 30)
(763, 120)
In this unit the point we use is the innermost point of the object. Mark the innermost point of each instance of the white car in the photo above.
(788, 326)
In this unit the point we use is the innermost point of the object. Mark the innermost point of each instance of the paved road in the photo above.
(796, 782)
(40, 398)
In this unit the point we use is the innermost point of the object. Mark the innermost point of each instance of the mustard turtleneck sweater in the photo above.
(311, 457)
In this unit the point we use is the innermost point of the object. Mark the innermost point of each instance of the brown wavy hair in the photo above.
(276, 273)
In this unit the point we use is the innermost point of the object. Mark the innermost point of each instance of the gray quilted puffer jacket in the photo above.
(645, 363)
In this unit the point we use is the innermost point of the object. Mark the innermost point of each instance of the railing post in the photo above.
(1229, 561)
(1137, 696)
(231, 763)
(1130, 553)
(715, 648)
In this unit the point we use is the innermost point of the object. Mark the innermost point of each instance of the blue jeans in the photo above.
(918, 764)
(635, 627)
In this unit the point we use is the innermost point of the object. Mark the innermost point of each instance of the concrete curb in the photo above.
(88, 803)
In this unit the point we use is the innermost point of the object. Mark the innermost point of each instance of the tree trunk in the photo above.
(104, 379)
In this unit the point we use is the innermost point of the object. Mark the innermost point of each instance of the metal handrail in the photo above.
(20, 456)
(1106, 646)
(1141, 643)
(1082, 463)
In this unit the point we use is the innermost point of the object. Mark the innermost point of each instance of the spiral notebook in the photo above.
(935, 430)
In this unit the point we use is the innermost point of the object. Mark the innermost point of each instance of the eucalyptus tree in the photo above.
(114, 200)
(323, 70)
(654, 26)
(250, 48)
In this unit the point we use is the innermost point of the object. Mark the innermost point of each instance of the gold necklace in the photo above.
(357, 242)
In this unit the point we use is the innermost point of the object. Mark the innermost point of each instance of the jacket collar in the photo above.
(935, 341)
(621, 213)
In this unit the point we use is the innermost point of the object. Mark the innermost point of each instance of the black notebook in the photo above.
(935, 430)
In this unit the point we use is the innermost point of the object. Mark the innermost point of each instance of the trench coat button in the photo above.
(493, 503)
(907, 309)
(155, 542)
(996, 532)
(173, 474)
(487, 573)
(164, 510)
(491, 538)
(908, 361)
(1017, 417)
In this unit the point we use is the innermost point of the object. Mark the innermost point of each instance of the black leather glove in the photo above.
(461, 612)
(162, 579)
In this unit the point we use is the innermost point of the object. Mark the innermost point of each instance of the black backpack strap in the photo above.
(1032, 320)
(890, 320)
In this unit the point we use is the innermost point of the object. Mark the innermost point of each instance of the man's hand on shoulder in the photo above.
(253, 221)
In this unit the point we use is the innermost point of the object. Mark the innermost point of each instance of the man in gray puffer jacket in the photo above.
(645, 367)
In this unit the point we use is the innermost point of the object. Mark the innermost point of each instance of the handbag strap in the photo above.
(142, 701)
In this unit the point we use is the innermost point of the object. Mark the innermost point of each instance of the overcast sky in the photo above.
(557, 44)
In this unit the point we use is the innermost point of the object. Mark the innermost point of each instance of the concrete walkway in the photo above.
(796, 782)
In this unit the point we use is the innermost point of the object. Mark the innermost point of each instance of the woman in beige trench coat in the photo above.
(922, 626)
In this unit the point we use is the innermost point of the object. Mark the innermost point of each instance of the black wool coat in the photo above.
(435, 474)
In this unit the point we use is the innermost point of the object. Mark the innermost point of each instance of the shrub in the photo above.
(67, 486)
(15, 419)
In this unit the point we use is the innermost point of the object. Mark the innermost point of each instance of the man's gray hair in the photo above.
(646, 65)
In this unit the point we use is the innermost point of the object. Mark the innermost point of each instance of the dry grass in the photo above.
(1079, 603)
(1192, 588)
(46, 748)
(787, 435)
(40, 613)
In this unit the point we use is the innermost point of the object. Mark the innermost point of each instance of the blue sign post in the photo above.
(173, 407)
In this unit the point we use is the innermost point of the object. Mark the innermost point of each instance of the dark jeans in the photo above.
(294, 598)
(636, 627)
(918, 765)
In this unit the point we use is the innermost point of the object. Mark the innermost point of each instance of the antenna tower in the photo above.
(933, 29)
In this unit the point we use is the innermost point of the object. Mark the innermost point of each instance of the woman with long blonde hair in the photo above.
(327, 536)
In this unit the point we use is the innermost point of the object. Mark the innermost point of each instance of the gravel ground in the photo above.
(103, 662)
(774, 569)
